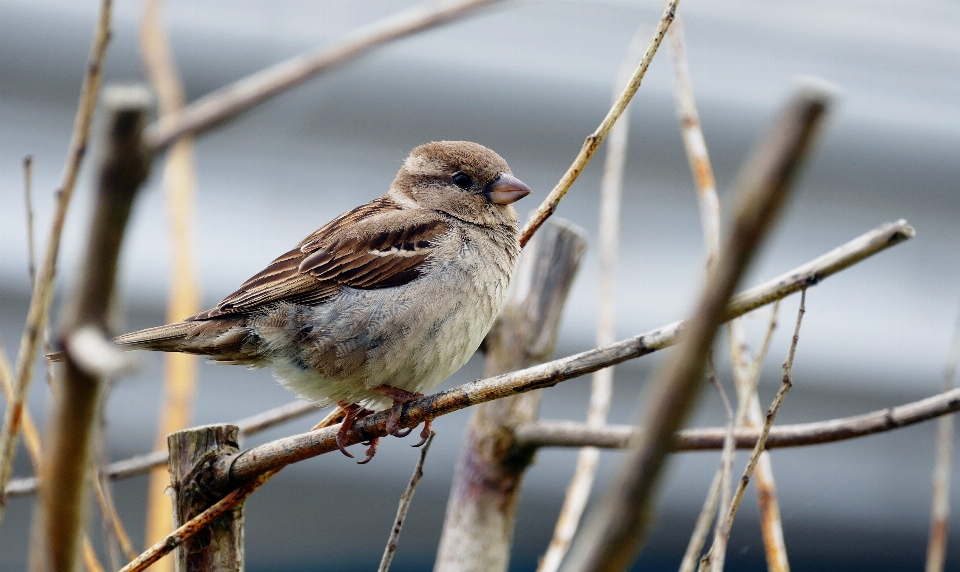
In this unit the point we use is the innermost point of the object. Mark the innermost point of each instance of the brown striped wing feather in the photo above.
(376, 245)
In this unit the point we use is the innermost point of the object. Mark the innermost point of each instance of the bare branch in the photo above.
(601, 385)
(196, 524)
(940, 504)
(548, 374)
(405, 499)
(569, 434)
(66, 465)
(717, 554)
(228, 102)
(593, 141)
(615, 531)
(43, 285)
(28, 201)
(478, 527)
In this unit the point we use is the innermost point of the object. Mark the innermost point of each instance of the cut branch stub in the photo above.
(478, 528)
(192, 454)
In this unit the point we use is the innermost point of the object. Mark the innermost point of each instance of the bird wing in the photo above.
(377, 245)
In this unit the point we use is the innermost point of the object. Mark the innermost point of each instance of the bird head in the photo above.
(463, 179)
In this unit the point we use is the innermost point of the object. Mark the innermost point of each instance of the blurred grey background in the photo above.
(531, 80)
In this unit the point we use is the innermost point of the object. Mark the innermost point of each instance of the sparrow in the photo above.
(382, 303)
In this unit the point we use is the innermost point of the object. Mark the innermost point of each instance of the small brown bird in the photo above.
(382, 303)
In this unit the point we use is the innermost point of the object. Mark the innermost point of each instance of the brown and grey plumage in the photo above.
(382, 303)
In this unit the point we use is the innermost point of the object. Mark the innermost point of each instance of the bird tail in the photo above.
(222, 340)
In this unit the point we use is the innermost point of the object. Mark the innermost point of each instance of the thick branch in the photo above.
(43, 284)
(232, 100)
(123, 168)
(478, 527)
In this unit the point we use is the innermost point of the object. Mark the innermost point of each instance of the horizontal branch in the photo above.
(232, 100)
(248, 464)
(551, 373)
(142, 464)
(569, 434)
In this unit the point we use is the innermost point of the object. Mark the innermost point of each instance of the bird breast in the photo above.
(411, 337)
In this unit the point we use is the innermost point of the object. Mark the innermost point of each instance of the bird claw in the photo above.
(425, 433)
(371, 450)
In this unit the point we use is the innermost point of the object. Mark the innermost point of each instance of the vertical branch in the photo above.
(219, 546)
(89, 355)
(615, 531)
(405, 499)
(28, 200)
(940, 509)
(601, 386)
(43, 285)
(478, 528)
(180, 370)
(31, 438)
(715, 557)
(744, 376)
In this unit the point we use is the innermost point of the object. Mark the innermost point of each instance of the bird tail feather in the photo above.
(221, 340)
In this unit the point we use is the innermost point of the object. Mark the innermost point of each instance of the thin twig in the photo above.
(232, 100)
(717, 552)
(28, 200)
(601, 385)
(196, 524)
(593, 141)
(746, 377)
(43, 286)
(704, 522)
(940, 504)
(405, 499)
(726, 457)
(111, 517)
(179, 180)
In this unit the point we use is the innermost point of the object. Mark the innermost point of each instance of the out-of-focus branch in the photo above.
(232, 100)
(601, 385)
(812, 273)
(940, 504)
(478, 527)
(43, 285)
(123, 168)
(183, 299)
(717, 554)
(614, 533)
(593, 141)
(28, 202)
(745, 376)
(405, 499)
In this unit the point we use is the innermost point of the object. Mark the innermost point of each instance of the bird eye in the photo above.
(462, 180)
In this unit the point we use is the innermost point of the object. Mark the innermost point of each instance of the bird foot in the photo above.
(400, 398)
(353, 412)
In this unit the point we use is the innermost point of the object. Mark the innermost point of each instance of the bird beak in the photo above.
(506, 189)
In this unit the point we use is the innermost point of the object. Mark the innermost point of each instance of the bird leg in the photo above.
(352, 413)
(400, 398)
